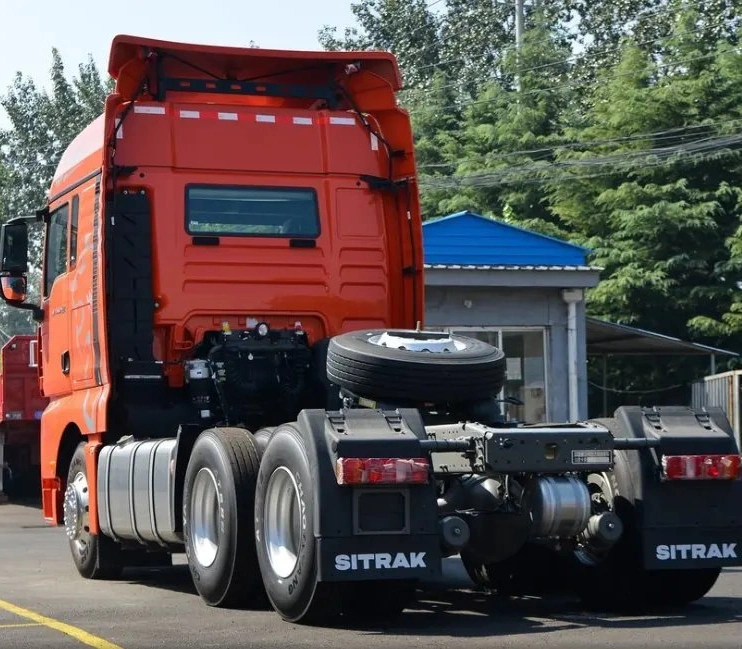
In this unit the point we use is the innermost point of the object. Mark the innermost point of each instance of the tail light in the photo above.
(701, 467)
(382, 470)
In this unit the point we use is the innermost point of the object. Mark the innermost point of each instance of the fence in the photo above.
(721, 390)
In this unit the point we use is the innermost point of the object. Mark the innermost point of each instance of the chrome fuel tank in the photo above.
(136, 482)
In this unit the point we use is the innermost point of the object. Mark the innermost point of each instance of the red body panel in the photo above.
(20, 399)
(21, 405)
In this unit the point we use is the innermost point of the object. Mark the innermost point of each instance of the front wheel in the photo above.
(95, 556)
(218, 499)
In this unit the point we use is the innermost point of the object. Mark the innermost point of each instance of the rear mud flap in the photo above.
(379, 557)
(692, 547)
(682, 524)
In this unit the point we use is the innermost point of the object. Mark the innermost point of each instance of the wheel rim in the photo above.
(282, 526)
(77, 512)
(205, 517)
(602, 496)
(422, 341)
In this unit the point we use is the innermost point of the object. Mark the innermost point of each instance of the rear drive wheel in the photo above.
(262, 437)
(533, 570)
(96, 556)
(421, 366)
(218, 500)
(618, 582)
(284, 532)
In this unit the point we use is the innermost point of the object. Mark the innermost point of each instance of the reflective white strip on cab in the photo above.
(150, 110)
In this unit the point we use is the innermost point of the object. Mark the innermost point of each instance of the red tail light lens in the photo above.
(382, 470)
(701, 467)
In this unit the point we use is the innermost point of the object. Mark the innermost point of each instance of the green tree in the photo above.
(437, 122)
(476, 38)
(406, 27)
(507, 136)
(657, 198)
(42, 124)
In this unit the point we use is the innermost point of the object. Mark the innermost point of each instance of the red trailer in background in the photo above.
(21, 405)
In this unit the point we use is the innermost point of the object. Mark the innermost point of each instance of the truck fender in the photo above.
(186, 439)
(684, 512)
(364, 433)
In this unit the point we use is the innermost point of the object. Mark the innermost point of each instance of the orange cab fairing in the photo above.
(183, 116)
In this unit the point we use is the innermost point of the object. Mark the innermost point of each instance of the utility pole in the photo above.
(519, 28)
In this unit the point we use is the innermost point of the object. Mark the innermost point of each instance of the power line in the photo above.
(617, 391)
(575, 84)
(512, 46)
(423, 91)
(647, 159)
(521, 71)
(656, 135)
(514, 174)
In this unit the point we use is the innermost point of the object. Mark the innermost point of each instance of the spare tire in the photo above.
(410, 365)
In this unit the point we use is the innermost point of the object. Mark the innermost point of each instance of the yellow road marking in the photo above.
(22, 624)
(78, 634)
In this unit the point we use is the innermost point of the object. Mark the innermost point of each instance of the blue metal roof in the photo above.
(470, 239)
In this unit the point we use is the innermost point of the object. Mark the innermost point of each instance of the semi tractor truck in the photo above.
(232, 342)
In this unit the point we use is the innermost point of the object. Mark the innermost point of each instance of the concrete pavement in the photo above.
(159, 608)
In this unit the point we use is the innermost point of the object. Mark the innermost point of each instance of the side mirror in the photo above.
(14, 263)
(14, 247)
(14, 289)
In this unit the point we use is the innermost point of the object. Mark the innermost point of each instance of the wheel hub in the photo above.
(602, 496)
(205, 517)
(282, 522)
(76, 508)
(421, 341)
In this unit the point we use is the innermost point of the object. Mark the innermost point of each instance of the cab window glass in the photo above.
(55, 262)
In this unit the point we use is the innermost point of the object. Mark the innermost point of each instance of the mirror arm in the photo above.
(37, 313)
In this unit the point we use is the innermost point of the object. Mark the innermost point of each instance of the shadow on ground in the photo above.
(174, 578)
(469, 613)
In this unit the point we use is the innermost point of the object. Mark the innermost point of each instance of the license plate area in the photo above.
(381, 511)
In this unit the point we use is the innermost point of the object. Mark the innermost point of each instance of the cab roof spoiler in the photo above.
(223, 69)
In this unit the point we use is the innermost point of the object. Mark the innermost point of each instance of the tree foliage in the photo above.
(42, 124)
(407, 26)
(616, 126)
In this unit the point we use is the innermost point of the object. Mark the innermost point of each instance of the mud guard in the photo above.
(345, 551)
(682, 524)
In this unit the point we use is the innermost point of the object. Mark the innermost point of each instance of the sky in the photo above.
(29, 29)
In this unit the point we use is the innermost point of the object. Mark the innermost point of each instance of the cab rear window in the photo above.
(251, 211)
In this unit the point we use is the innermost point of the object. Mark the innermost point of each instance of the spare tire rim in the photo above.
(435, 342)
(205, 517)
(282, 522)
